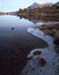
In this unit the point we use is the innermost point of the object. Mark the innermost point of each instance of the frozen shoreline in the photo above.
(48, 54)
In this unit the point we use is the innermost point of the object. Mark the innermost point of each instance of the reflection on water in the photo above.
(18, 37)
(41, 19)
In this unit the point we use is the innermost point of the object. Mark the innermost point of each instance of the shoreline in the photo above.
(41, 61)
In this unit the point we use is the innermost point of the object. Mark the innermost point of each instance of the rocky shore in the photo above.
(44, 61)
(52, 30)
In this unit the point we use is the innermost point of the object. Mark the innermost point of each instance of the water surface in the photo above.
(20, 37)
(16, 43)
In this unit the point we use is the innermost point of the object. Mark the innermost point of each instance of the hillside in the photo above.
(34, 5)
(55, 6)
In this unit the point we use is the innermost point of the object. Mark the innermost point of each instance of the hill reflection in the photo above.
(35, 19)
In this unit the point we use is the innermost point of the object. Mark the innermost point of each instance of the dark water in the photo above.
(16, 43)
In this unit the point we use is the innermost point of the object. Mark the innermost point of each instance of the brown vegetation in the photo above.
(44, 11)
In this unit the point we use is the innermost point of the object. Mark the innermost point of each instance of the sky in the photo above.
(14, 5)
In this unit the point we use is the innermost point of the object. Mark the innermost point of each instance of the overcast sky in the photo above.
(13, 5)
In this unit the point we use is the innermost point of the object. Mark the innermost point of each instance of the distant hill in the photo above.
(34, 5)
(55, 6)
(47, 5)
(1, 12)
(37, 9)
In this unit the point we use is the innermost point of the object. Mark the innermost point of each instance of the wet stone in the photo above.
(42, 62)
(12, 28)
(37, 52)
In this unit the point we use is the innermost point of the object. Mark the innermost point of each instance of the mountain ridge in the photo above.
(36, 5)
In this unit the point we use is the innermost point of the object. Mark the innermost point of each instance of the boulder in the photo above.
(12, 28)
